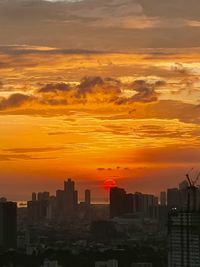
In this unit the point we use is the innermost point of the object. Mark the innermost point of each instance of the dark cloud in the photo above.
(98, 90)
(145, 92)
(14, 100)
(92, 85)
(55, 87)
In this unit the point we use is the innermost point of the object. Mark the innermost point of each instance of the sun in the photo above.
(109, 183)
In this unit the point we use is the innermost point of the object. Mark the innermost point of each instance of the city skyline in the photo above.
(99, 133)
(106, 186)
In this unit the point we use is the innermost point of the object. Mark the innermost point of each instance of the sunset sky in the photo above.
(98, 89)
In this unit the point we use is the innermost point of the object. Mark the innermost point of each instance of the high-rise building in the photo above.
(43, 196)
(8, 224)
(173, 198)
(128, 203)
(184, 231)
(87, 197)
(163, 198)
(184, 239)
(37, 210)
(117, 201)
(71, 196)
(122, 203)
(34, 196)
(69, 186)
(138, 202)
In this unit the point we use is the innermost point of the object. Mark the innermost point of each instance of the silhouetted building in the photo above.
(117, 202)
(37, 210)
(163, 198)
(184, 230)
(8, 224)
(43, 196)
(163, 217)
(87, 197)
(184, 239)
(34, 196)
(71, 197)
(128, 203)
(138, 202)
(173, 199)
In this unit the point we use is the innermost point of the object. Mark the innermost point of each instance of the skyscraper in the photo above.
(71, 196)
(117, 201)
(87, 197)
(173, 198)
(184, 232)
(184, 239)
(163, 198)
(34, 196)
(8, 224)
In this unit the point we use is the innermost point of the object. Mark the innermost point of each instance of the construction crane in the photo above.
(190, 181)
(196, 179)
(192, 189)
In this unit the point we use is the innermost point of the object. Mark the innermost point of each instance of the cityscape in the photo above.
(132, 230)
(99, 133)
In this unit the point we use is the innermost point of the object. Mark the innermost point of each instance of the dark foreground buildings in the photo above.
(178, 213)
(8, 224)
(184, 228)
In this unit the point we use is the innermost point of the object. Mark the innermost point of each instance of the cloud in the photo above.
(106, 96)
(169, 109)
(23, 50)
(176, 8)
(57, 133)
(116, 25)
(33, 149)
(98, 85)
(9, 157)
(14, 101)
(145, 92)
(54, 87)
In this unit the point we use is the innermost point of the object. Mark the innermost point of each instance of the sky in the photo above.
(98, 89)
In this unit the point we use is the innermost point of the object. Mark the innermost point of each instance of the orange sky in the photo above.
(87, 117)
(98, 96)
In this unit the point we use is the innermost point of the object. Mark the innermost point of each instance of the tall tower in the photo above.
(163, 198)
(71, 196)
(173, 198)
(69, 186)
(87, 197)
(184, 231)
(8, 224)
(34, 196)
(117, 201)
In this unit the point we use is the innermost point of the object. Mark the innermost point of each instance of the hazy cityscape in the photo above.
(99, 133)
(132, 230)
